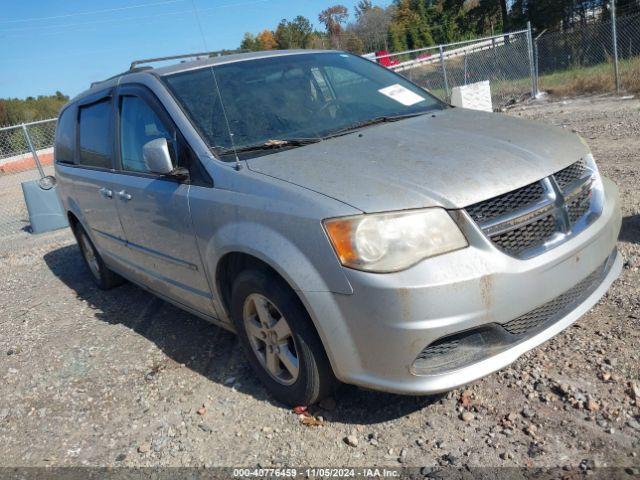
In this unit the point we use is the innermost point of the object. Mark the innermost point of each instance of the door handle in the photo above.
(106, 193)
(124, 195)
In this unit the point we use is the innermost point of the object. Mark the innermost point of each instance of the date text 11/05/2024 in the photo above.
(309, 472)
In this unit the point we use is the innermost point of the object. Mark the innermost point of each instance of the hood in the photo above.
(452, 159)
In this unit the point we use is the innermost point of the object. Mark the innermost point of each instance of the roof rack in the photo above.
(217, 53)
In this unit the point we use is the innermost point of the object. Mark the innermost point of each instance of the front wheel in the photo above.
(279, 339)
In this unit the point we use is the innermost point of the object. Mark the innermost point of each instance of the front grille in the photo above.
(570, 174)
(523, 221)
(578, 205)
(438, 349)
(556, 308)
(531, 235)
(507, 203)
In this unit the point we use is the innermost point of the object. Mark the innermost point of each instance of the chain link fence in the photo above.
(505, 61)
(628, 38)
(582, 60)
(26, 153)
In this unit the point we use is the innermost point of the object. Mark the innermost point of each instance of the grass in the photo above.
(590, 80)
(564, 83)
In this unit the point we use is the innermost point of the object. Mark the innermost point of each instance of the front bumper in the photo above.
(374, 336)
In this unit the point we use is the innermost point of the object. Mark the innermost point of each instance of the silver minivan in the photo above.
(344, 222)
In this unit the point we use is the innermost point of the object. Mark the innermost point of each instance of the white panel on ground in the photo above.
(475, 96)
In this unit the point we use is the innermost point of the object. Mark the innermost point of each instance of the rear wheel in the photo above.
(279, 339)
(103, 277)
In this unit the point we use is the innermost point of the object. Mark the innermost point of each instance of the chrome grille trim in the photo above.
(567, 196)
(519, 219)
(576, 172)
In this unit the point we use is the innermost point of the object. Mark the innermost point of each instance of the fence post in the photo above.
(444, 72)
(537, 61)
(532, 67)
(33, 150)
(614, 39)
(465, 67)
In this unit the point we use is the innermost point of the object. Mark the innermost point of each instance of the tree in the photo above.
(397, 38)
(363, 7)
(318, 41)
(628, 7)
(485, 14)
(546, 13)
(14, 111)
(354, 44)
(410, 25)
(504, 10)
(249, 42)
(333, 18)
(294, 34)
(372, 27)
(267, 40)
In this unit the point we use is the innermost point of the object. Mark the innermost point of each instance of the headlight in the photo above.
(388, 242)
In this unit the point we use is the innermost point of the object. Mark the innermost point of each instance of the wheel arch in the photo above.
(234, 262)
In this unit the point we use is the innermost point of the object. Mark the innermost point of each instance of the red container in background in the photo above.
(386, 61)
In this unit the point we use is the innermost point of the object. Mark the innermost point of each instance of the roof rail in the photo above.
(217, 53)
(93, 84)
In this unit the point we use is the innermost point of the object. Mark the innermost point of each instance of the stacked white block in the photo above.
(475, 96)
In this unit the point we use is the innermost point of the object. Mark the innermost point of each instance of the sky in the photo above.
(65, 45)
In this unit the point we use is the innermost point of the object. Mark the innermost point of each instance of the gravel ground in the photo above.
(122, 378)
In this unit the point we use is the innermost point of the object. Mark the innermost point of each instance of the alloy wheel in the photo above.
(271, 339)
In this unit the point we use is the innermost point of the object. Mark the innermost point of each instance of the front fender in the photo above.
(311, 277)
(317, 270)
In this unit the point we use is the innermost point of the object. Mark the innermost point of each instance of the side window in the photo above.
(347, 83)
(64, 150)
(95, 135)
(139, 124)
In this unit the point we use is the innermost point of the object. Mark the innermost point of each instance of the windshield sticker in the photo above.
(402, 95)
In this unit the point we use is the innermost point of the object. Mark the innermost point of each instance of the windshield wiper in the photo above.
(373, 121)
(276, 144)
(269, 145)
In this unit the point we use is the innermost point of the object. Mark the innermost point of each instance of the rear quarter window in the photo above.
(96, 143)
(65, 145)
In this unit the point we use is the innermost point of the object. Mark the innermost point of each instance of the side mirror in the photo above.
(156, 156)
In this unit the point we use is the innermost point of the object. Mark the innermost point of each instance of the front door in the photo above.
(154, 209)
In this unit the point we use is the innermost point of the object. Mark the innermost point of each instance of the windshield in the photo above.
(281, 100)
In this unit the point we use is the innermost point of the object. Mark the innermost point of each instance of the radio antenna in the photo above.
(215, 82)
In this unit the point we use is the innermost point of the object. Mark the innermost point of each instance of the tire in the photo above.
(103, 277)
(314, 379)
